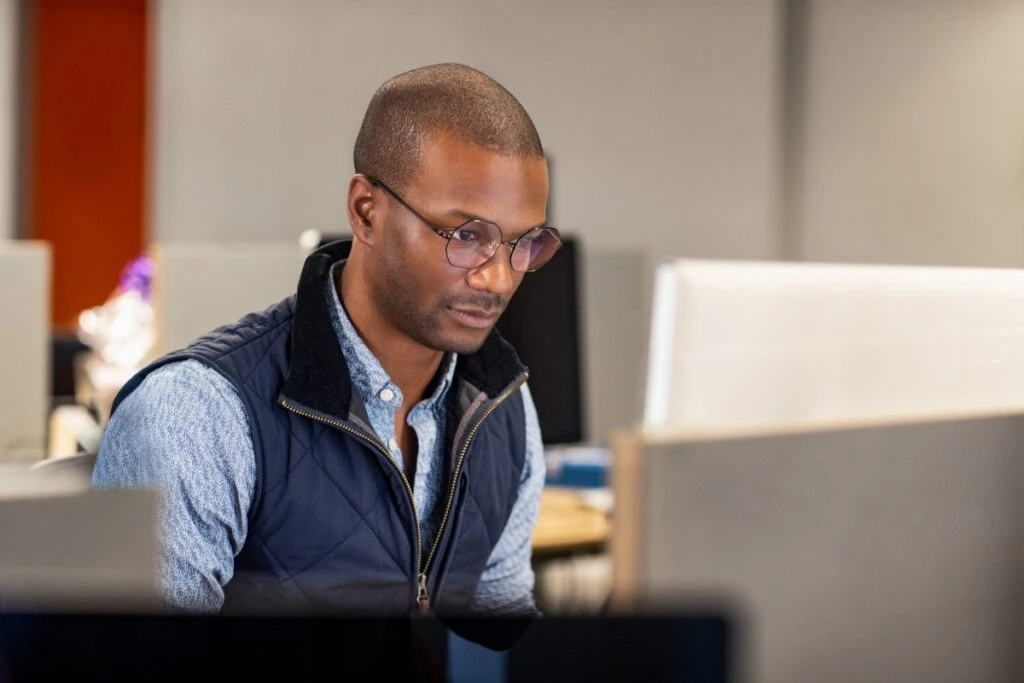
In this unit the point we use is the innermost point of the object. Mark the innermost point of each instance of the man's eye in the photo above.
(465, 235)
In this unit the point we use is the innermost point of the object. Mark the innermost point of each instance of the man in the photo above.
(368, 445)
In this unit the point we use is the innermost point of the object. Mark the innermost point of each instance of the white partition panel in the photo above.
(24, 348)
(199, 286)
(615, 293)
(742, 345)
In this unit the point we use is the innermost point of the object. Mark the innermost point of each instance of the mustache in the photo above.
(491, 304)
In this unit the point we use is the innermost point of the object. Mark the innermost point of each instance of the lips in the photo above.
(477, 318)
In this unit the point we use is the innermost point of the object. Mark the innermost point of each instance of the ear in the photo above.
(363, 212)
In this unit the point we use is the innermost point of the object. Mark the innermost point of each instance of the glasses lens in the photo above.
(473, 244)
(535, 248)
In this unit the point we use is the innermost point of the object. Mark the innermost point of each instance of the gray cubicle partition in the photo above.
(199, 286)
(24, 348)
(615, 291)
(65, 549)
(877, 553)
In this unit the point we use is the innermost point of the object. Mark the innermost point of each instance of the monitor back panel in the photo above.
(738, 345)
(861, 554)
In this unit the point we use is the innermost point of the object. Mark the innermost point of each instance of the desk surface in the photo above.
(566, 522)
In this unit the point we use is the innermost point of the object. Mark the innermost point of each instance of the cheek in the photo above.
(430, 286)
(422, 275)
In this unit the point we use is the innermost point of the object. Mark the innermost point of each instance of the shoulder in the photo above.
(183, 423)
(180, 412)
(182, 387)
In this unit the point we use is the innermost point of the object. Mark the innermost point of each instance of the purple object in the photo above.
(137, 276)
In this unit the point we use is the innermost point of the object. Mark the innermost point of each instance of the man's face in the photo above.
(416, 289)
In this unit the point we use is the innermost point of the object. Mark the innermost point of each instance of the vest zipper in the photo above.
(455, 476)
(422, 597)
(422, 600)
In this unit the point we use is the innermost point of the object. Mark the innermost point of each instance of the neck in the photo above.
(409, 364)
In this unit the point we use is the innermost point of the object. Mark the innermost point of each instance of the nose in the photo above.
(496, 275)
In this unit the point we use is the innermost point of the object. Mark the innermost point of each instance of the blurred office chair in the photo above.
(77, 467)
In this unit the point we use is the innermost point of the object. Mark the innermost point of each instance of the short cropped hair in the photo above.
(447, 99)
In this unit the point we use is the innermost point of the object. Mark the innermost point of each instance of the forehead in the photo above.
(455, 176)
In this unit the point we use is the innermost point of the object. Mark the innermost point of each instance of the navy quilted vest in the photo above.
(332, 526)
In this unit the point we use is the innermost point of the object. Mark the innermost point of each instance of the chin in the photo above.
(462, 343)
(464, 347)
(446, 336)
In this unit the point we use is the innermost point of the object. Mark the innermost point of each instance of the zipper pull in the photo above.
(422, 599)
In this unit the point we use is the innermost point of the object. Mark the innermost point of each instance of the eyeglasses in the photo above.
(474, 243)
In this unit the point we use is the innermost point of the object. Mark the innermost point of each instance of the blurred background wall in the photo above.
(819, 129)
(911, 140)
(660, 116)
(886, 131)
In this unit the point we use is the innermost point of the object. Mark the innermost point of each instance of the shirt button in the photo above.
(393, 444)
(386, 394)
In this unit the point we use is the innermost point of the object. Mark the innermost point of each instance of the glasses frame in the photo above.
(449, 234)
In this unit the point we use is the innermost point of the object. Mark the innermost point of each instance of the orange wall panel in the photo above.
(86, 122)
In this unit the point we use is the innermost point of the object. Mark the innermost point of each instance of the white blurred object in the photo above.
(601, 499)
(746, 345)
(122, 331)
(309, 240)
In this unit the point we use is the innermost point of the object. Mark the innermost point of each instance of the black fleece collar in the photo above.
(318, 377)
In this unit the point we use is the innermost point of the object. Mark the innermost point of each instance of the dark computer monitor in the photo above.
(697, 647)
(542, 322)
